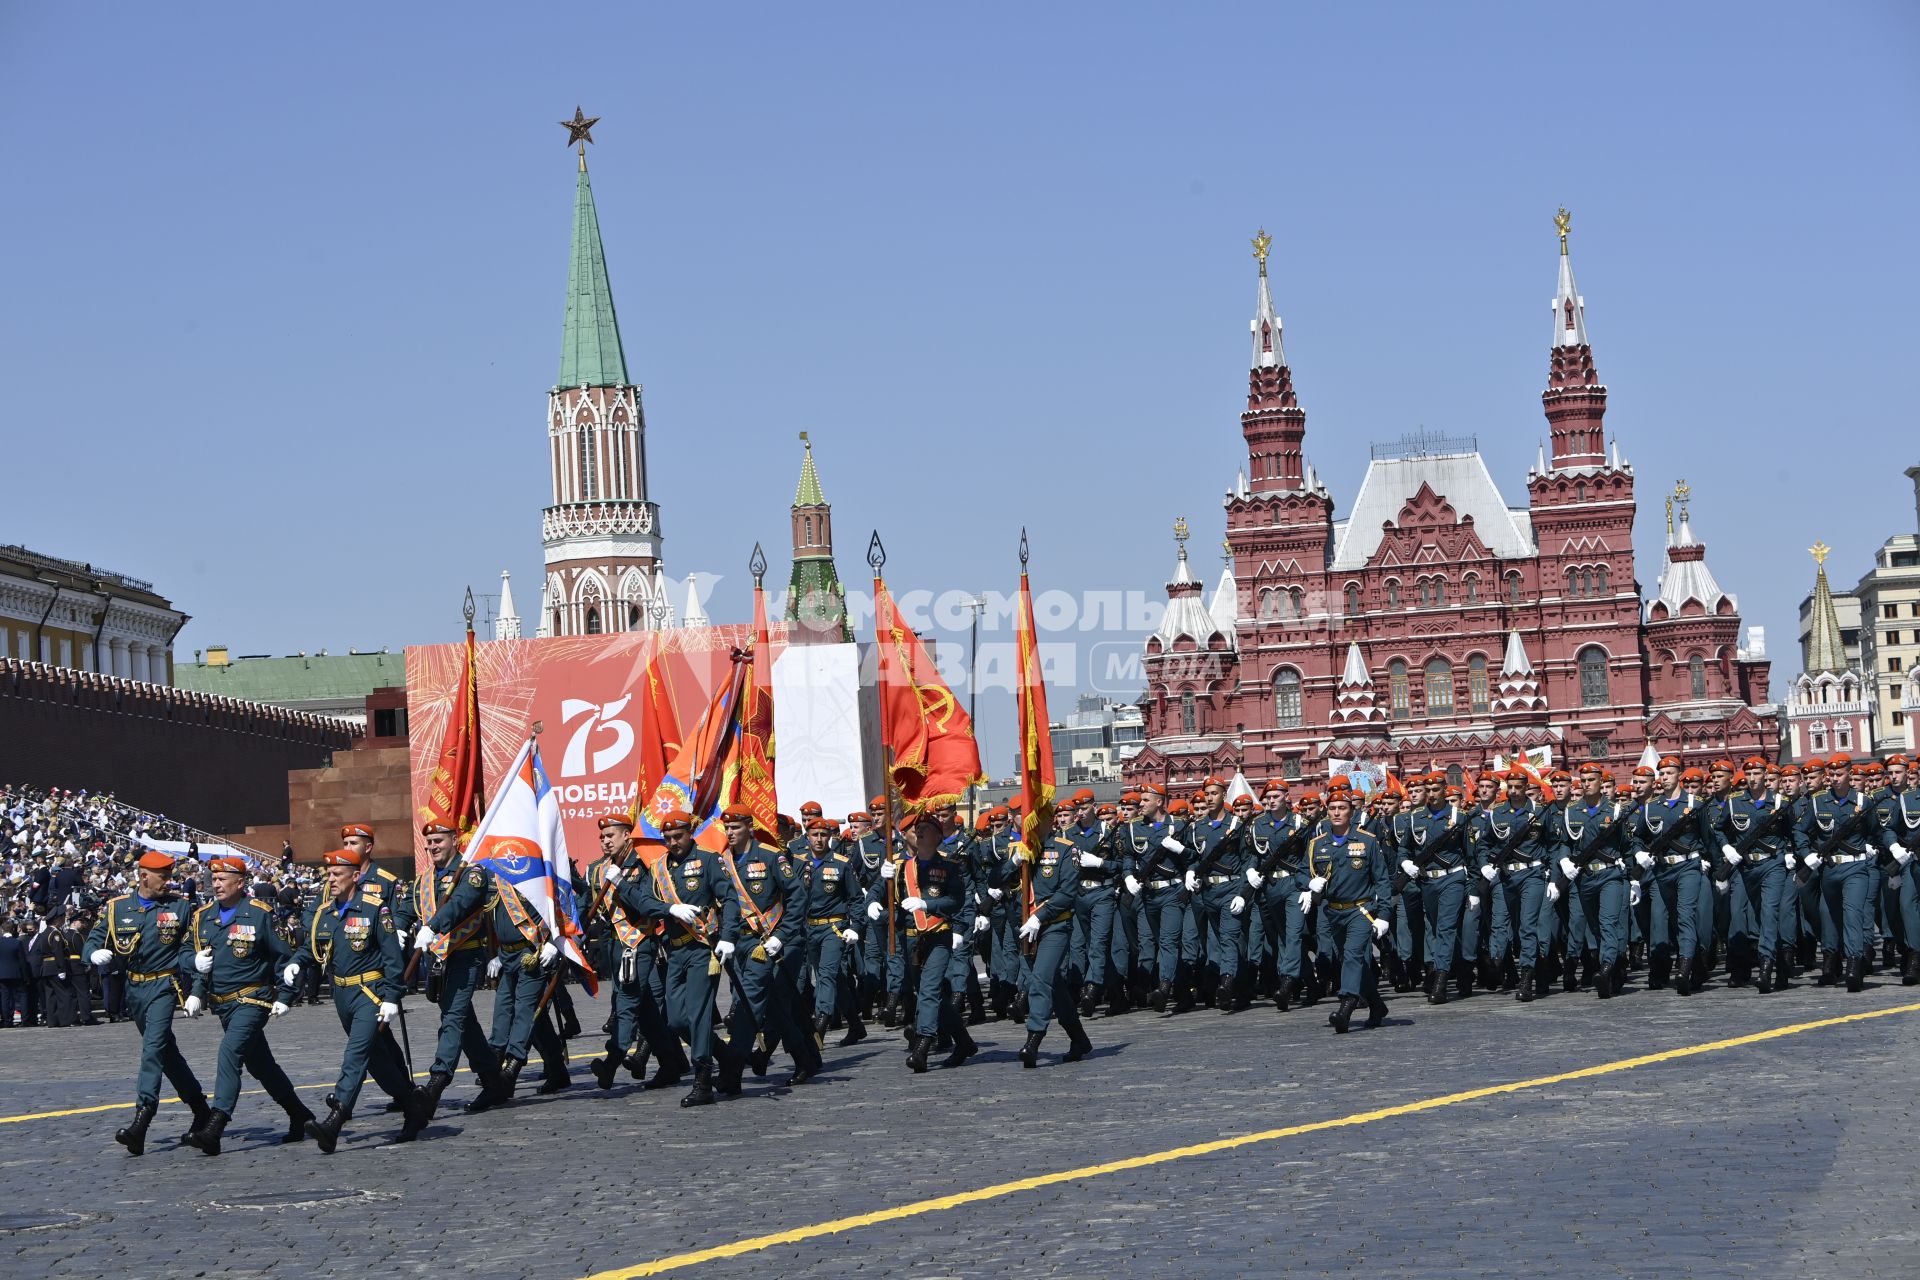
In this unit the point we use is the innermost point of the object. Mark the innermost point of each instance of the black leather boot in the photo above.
(510, 1075)
(976, 1005)
(1910, 969)
(1283, 994)
(1829, 969)
(419, 1114)
(201, 1114)
(134, 1136)
(297, 1118)
(1523, 989)
(1659, 969)
(494, 1091)
(1078, 1046)
(326, 1133)
(603, 1069)
(637, 1061)
(1030, 1051)
(1856, 973)
(1376, 1010)
(1342, 1017)
(437, 1082)
(1766, 976)
(1683, 977)
(727, 1076)
(964, 1047)
(856, 1030)
(1160, 996)
(701, 1095)
(665, 1077)
(917, 1055)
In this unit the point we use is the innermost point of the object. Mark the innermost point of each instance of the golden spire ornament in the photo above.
(1820, 551)
(1261, 243)
(1564, 221)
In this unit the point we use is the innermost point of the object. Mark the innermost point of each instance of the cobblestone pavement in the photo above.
(1790, 1156)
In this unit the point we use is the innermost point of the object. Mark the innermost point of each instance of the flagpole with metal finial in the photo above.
(877, 560)
(1032, 947)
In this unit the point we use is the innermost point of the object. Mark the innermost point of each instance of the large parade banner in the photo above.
(588, 693)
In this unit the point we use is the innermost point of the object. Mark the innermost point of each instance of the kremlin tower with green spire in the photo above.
(601, 534)
(816, 602)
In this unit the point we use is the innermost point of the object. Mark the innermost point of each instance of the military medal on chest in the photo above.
(240, 940)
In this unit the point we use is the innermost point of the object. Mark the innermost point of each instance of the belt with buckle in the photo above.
(244, 993)
(1759, 856)
(1163, 884)
(509, 948)
(1602, 864)
(1221, 879)
(826, 919)
(1437, 873)
(1846, 857)
(151, 977)
(1093, 882)
(359, 979)
(1521, 866)
(685, 940)
(1355, 905)
(1675, 859)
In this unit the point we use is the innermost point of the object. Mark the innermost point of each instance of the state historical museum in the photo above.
(1434, 626)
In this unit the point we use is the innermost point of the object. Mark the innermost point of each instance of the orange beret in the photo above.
(738, 813)
(1694, 771)
(618, 818)
(1669, 762)
(1153, 788)
(1243, 802)
(1129, 797)
(435, 828)
(1789, 770)
(1723, 766)
(858, 815)
(1082, 796)
(232, 866)
(1755, 762)
(819, 824)
(1108, 809)
(154, 860)
(1643, 771)
(811, 809)
(1310, 797)
(1841, 761)
(1214, 780)
(360, 829)
(878, 802)
(341, 858)
(1179, 806)
(1896, 758)
(1339, 782)
(675, 818)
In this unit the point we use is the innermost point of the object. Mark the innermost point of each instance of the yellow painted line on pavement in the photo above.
(836, 1226)
(245, 1093)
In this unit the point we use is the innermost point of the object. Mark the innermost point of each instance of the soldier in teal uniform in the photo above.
(634, 962)
(1755, 828)
(1094, 907)
(1667, 832)
(1897, 811)
(933, 899)
(1004, 918)
(1585, 833)
(1510, 839)
(1277, 853)
(1347, 877)
(1157, 857)
(356, 946)
(690, 892)
(867, 850)
(773, 906)
(1435, 857)
(1221, 860)
(1044, 883)
(834, 900)
(1410, 931)
(238, 956)
(455, 952)
(147, 929)
(1839, 837)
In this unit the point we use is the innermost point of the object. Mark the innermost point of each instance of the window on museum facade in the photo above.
(586, 463)
(1477, 684)
(1439, 590)
(1843, 736)
(1438, 691)
(1397, 689)
(1471, 583)
(1298, 599)
(1290, 768)
(1286, 698)
(593, 622)
(1697, 675)
(1353, 599)
(1513, 588)
(1594, 691)
(1600, 581)
(1393, 595)
(1189, 714)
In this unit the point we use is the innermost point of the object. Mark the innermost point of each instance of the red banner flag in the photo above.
(1036, 741)
(694, 781)
(751, 780)
(455, 793)
(935, 758)
(660, 732)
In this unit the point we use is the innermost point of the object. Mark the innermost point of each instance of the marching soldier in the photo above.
(1215, 878)
(773, 908)
(1667, 833)
(1097, 902)
(1897, 810)
(1435, 858)
(1755, 829)
(690, 892)
(1046, 882)
(237, 956)
(637, 1015)
(1510, 844)
(1156, 856)
(1347, 875)
(1276, 844)
(1586, 839)
(1004, 919)
(145, 929)
(834, 898)
(356, 946)
(934, 902)
(1837, 837)
(457, 962)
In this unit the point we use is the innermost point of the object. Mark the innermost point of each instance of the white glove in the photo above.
(290, 974)
(1473, 902)
(913, 904)
(773, 947)
(102, 956)
(1132, 883)
(1553, 892)
(279, 1007)
(1092, 861)
(1380, 927)
(1490, 873)
(1723, 886)
(548, 953)
(996, 893)
(1171, 845)
(956, 939)
(389, 1011)
(203, 961)
(1306, 901)
(850, 936)
(1316, 884)
(1031, 929)
(1192, 881)
(1791, 860)
(1569, 868)
(1813, 862)
(1407, 865)
(1633, 893)
(493, 967)
(981, 924)
(1730, 853)
(193, 1006)
(889, 869)
(1235, 907)
(611, 874)
(424, 939)
(875, 911)
(1644, 858)
(1899, 852)
(683, 913)
(1254, 878)
(723, 949)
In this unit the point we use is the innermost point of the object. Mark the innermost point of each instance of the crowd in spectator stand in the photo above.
(63, 855)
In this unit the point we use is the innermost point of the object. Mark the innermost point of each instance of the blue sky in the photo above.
(283, 289)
